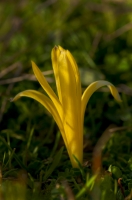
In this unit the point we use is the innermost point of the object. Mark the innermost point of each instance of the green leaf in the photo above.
(130, 163)
(116, 172)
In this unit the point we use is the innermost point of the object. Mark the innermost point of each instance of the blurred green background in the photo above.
(98, 34)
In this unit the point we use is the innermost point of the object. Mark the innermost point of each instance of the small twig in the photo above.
(95, 43)
(119, 128)
(68, 190)
(120, 9)
(45, 4)
(120, 185)
(118, 32)
(125, 89)
(9, 69)
(99, 7)
(97, 152)
(9, 88)
(29, 77)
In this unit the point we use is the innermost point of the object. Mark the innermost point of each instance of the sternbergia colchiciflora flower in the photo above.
(68, 106)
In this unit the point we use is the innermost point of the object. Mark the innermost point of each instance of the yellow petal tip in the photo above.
(33, 63)
(14, 98)
(55, 47)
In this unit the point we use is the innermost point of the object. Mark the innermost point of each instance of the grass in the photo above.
(54, 178)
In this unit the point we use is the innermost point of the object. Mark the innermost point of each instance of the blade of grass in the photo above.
(15, 156)
(10, 158)
(25, 156)
(88, 184)
(80, 167)
(56, 144)
(9, 152)
(30, 137)
(54, 164)
(8, 172)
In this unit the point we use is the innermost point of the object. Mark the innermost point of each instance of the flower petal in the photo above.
(47, 103)
(76, 71)
(92, 88)
(41, 79)
(54, 56)
(71, 104)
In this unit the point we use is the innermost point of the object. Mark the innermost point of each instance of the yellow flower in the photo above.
(68, 107)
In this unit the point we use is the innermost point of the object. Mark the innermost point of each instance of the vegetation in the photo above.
(34, 162)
